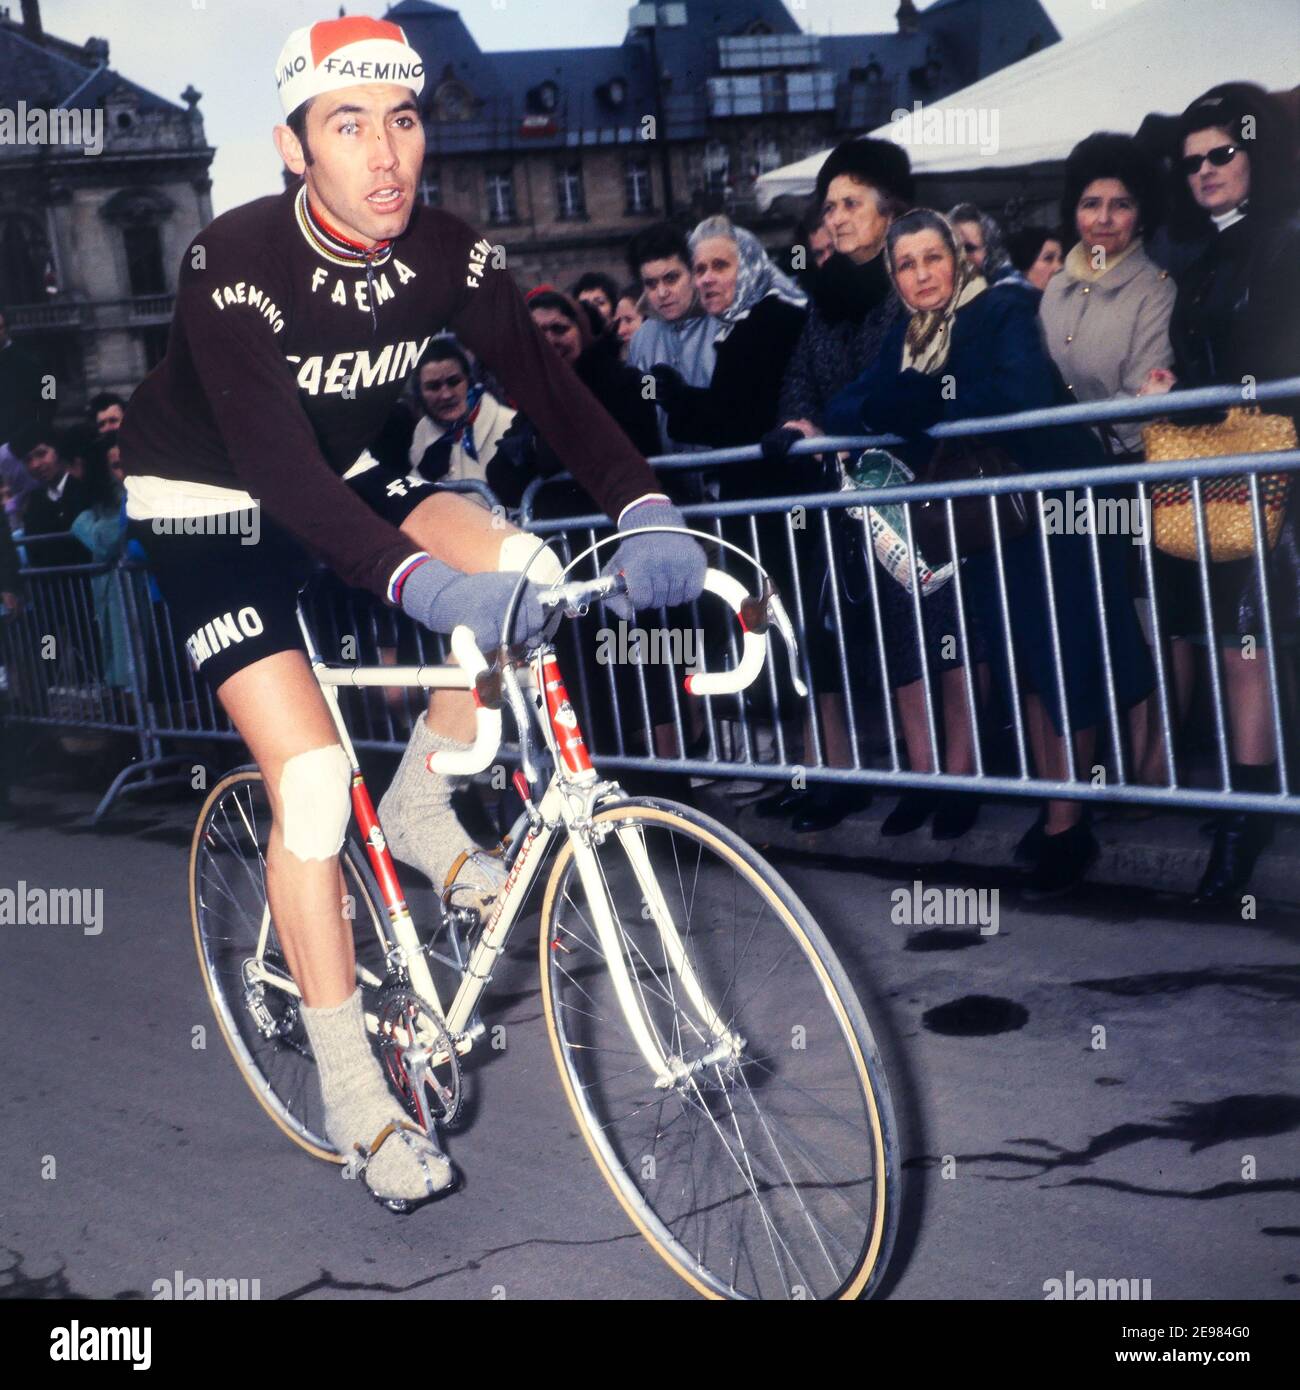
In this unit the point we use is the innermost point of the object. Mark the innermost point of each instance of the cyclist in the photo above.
(297, 318)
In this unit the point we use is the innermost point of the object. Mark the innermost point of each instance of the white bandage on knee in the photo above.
(520, 550)
(316, 802)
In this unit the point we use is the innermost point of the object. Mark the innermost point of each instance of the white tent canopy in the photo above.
(1155, 57)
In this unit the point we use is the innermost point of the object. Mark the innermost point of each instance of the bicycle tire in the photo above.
(574, 1059)
(287, 1112)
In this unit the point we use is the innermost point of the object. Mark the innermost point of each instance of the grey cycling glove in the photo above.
(442, 598)
(660, 569)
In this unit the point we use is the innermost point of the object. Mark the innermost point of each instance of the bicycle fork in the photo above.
(718, 1043)
(668, 1068)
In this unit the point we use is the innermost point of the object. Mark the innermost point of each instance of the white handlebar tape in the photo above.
(732, 592)
(488, 731)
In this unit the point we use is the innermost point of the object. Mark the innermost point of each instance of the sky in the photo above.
(227, 49)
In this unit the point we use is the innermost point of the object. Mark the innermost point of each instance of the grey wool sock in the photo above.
(417, 818)
(359, 1103)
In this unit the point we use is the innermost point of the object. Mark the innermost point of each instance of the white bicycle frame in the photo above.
(568, 804)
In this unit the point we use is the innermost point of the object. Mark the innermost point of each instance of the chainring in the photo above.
(399, 1007)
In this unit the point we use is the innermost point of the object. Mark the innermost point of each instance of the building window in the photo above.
(717, 167)
(452, 102)
(23, 256)
(144, 263)
(154, 341)
(636, 184)
(767, 156)
(569, 197)
(431, 189)
(501, 196)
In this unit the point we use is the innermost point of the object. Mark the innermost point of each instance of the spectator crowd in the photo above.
(1172, 266)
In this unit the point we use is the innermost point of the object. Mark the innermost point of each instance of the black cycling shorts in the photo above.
(232, 594)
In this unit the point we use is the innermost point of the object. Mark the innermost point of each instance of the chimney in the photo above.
(32, 20)
(908, 19)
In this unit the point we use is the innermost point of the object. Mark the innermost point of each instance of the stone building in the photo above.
(102, 186)
(561, 154)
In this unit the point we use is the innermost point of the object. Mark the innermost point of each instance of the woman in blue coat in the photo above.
(961, 353)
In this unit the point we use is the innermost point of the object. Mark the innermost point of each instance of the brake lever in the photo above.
(518, 707)
(781, 621)
(763, 611)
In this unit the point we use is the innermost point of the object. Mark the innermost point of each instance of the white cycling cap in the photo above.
(342, 53)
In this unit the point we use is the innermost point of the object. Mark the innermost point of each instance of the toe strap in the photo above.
(400, 1128)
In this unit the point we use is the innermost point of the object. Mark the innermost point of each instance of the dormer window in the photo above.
(452, 101)
(544, 99)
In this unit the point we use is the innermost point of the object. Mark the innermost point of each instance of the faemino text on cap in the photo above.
(342, 53)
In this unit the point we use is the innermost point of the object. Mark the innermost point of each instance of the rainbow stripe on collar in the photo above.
(332, 245)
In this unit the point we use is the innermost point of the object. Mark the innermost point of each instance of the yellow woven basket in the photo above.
(1229, 522)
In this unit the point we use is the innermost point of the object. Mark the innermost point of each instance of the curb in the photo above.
(1163, 854)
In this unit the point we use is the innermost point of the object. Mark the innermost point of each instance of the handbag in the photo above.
(882, 530)
(958, 460)
(1229, 522)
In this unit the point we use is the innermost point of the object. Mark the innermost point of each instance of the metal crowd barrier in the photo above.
(635, 714)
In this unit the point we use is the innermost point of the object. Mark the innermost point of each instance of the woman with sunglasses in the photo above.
(1236, 321)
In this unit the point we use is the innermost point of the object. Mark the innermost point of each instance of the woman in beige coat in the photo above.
(1106, 320)
(1106, 315)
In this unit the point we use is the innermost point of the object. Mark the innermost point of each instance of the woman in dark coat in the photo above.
(1237, 319)
(861, 187)
(864, 185)
(523, 455)
(966, 352)
(762, 313)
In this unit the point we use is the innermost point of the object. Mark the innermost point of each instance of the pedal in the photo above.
(463, 890)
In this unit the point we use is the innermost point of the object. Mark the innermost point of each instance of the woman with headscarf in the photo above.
(1236, 319)
(982, 242)
(760, 314)
(966, 352)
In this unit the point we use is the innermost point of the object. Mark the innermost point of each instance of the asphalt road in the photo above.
(1169, 1154)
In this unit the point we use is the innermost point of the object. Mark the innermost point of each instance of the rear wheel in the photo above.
(242, 962)
(764, 1164)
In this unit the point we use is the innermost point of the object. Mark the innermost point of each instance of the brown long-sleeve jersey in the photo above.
(285, 359)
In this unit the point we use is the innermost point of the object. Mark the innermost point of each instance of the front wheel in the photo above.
(755, 1147)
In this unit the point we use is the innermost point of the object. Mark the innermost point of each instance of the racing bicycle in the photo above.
(716, 1057)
